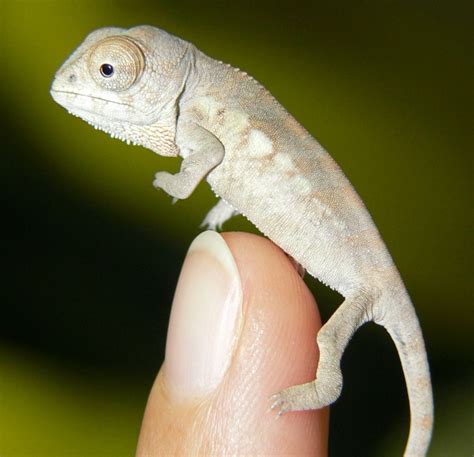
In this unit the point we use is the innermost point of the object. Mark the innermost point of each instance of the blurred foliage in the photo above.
(91, 251)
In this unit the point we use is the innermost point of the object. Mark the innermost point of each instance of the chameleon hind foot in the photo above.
(312, 395)
(332, 340)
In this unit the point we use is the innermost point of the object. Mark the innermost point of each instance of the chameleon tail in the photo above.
(404, 328)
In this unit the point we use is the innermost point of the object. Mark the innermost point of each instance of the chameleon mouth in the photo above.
(67, 99)
(59, 99)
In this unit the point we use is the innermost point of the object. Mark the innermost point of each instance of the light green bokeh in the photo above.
(48, 410)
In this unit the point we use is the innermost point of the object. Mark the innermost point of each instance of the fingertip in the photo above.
(276, 348)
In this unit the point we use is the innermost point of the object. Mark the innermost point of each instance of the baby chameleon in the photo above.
(147, 87)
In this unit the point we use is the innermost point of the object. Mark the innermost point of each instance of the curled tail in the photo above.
(402, 324)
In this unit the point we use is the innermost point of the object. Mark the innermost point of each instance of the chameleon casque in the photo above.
(147, 87)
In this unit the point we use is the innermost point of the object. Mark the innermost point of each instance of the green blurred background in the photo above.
(91, 252)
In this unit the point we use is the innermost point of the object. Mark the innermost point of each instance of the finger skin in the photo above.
(276, 349)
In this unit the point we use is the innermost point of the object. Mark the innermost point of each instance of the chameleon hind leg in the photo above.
(332, 340)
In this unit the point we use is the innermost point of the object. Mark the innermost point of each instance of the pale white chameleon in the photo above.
(150, 88)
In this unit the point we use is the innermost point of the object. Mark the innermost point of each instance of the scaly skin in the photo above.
(147, 87)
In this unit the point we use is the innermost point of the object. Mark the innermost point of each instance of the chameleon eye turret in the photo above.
(116, 63)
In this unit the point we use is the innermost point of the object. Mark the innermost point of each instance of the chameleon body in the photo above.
(145, 86)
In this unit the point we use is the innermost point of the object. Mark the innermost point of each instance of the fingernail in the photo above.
(205, 318)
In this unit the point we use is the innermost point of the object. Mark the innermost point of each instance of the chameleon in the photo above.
(147, 87)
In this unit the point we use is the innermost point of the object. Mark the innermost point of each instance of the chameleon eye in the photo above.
(120, 62)
(106, 70)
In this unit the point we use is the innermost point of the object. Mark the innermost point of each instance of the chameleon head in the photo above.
(122, 81)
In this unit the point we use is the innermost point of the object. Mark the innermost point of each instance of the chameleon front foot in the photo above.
(173, 185)
(298, 267)
(220, 213)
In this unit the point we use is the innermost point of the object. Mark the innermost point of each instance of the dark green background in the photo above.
(91, 252)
